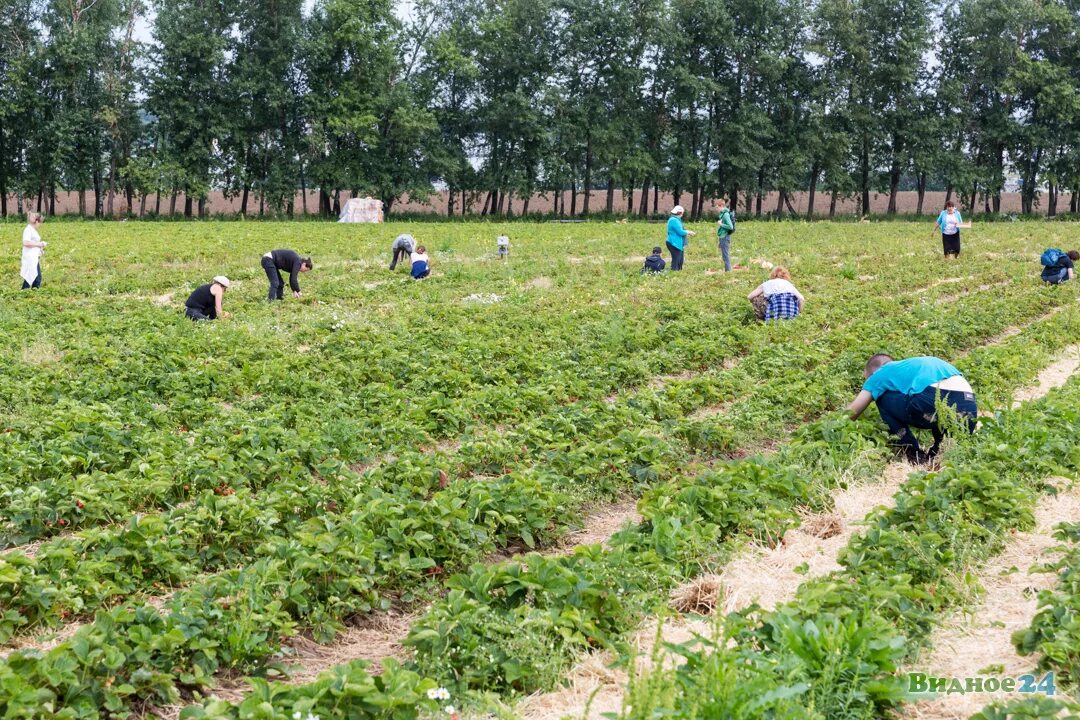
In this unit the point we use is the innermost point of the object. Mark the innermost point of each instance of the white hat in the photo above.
(677, 210)
(221, 280)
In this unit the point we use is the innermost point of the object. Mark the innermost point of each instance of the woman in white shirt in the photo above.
(421, 266)
(777, 298)
(950, 223)
(32, 249)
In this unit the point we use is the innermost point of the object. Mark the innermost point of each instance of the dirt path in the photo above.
(1054, 376)
(769, 576)
(980, 643)
(812, 548)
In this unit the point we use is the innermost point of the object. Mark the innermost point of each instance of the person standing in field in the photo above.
(906, 393)
(274, 262)
(724, 227)
(204, 303)
(403, 247)
(32, 249)
(676, 237)
(1058, 266)
(776, 298)
(503, 244)
(421, 266)
(950, 222)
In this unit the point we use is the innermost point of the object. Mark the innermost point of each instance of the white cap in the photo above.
(221, 280)
(677, 210)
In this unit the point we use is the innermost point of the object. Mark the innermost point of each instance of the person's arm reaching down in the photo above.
(294, 281)
(859, 404)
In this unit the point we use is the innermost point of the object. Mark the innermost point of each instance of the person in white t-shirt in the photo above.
(32, 249)
(777, 298)
(421, 266)
(950, 223)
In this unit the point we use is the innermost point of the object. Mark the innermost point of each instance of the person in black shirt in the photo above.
(205, 302)
(654, 263)
(274, 262)
(1063, 271)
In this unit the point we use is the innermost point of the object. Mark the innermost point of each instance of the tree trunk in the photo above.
(99, 194)
(1051, 201)
(244, 199)
(188, 205)
(573, 198)
(814, 172)
(142, 205)
(337, 202)
(609, 205)
(757, 204)
(921, 186)
(948, 192)
(643, 207)
(894, 186)
(112, 184)
(172, 202)
(303, 190)
(832, 205)
(864, 175)
(82, 202)
(588, 174)
(157, 203)
(324, 202)
(202, 207)
(656, 197)
(487, 203)
(525, 207)
(790, 207)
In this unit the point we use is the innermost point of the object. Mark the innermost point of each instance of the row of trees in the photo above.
(497, 100)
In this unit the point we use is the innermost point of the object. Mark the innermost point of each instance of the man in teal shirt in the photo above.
(676, 237)
(906, 393)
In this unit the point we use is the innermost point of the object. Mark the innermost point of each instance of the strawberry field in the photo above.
(195, 516)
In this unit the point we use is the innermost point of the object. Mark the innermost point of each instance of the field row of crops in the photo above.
(181, 502)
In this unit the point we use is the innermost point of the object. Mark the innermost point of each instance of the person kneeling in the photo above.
(654, 263)
(906, 393)
(421, 266)
(777, 298)
(205, 302)
(1058, 266)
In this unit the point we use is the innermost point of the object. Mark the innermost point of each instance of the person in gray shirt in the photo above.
(403, 247)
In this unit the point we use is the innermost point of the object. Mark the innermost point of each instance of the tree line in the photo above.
(496, 101)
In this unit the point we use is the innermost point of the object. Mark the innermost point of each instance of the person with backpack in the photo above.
(950, 222)
(654, 263)
(1058, 266)
(907, 392)
(676, 237)
(725, 228)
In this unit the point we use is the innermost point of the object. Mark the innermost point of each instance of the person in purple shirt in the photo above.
(906, 394)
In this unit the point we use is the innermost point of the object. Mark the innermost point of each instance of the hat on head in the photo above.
(677, 210)
(221, 280)
(656, 250)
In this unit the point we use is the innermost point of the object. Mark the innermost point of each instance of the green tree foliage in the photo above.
(495, 101)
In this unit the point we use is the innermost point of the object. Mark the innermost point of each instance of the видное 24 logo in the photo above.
(921, 683)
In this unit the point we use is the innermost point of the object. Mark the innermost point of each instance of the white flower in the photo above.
(296, 715)
(312, 716)
(438, 694)
(449, 709)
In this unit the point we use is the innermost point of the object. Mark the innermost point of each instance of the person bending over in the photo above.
(421, 266)
(776, 298)
(654, 263)
(1058, 266)
(403, 247)
(906, 393)
(274, 262)
(205, 302)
